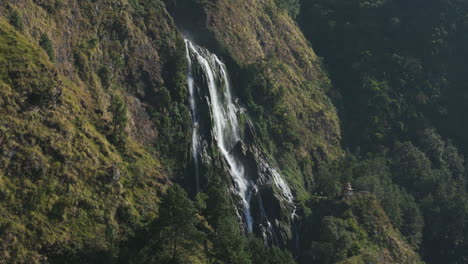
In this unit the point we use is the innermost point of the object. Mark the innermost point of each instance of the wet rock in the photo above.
(272, 202)
(249, 133)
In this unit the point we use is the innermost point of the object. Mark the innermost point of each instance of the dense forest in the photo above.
(234, 131)
(399, 72)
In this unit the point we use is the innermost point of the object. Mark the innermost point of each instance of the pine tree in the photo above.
(177, 219)
(230, 244)
(175, 237)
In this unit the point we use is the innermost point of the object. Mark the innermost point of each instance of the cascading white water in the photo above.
(193, 107)
(205, 67)
(224, 114)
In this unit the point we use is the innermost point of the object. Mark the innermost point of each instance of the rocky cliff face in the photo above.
(266, 202)
(275, 209)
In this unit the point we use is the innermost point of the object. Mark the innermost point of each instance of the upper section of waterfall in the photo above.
(267, 203)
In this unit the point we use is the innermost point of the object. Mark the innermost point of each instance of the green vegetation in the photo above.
(173, 99)
(176, 238)
(88, 145)
(396, 68)
(354, 230)
(182, 235)
(104, 74)
(51, 6)
(280, 80)
(16, 20)
(291, 6)
(118, 109)
(412, 184)
(94, 145)
(46, 44)
(68, 194)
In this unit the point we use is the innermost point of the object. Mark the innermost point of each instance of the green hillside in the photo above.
(110, 144)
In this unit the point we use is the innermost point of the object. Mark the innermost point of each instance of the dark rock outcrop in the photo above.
(275, 222)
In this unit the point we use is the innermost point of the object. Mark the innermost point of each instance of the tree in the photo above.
(433, 145)
(104, 74)
(46, 44)
(165, 97)
(263, 254)
(16, 20)
(178, 220)
(118, 108)
(413, 221)
(412, 169)
(175, 237)
(229, 242)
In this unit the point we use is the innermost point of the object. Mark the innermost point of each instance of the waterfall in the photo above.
(224, 114)
(208, 84)
(193, 107)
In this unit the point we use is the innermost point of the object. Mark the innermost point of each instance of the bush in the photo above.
(165, 96)
(16, 20)
(46, 44)
(118, 108)
(104, 74)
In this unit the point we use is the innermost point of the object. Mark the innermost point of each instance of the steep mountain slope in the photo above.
(279, 77)
(71, 178)
(259, 33)
(95, 127)
(400, 70)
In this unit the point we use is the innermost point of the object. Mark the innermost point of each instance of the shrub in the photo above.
(165, 96)
(47, 45)
(16, 20)
(118, 108)
(104, 74)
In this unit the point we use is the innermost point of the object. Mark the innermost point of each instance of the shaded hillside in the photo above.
(353, 230)
(399, 69)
